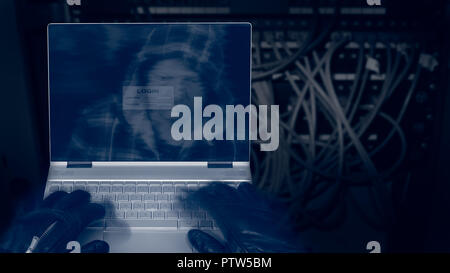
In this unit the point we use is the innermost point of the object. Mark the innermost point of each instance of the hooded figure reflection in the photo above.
(189, 65)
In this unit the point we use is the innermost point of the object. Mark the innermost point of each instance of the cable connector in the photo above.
(373, 64)
(428, 61)
(33, 244)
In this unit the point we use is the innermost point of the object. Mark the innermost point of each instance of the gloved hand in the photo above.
(249, 221)
(60, 219)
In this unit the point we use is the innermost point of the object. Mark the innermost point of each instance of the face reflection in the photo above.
(147, 124)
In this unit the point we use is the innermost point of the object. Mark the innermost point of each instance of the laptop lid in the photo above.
(148, 92)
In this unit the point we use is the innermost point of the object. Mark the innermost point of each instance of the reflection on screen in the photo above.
(112, 87)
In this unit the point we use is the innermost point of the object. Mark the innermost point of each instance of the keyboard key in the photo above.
(53, 189)
(125, 206)
(158, 214)
(129, 189)
(151, 206)
(173, 197)
(104, 188)
(135, 197)
(115, 205)
(165, 206)
(96, 198)
(145, 214)
(66, 188)
(144, 223)
(162, 197)
(142, 189)
(179, 188)
(109, 197)
(122, 197)
(149, 197)
(131, 214)
(206, 224)
(116, 189)
(187, 223)
(155, 189)
(91, 189)
(138, 206)
(171, 214)
(182, 196)
(167, 189)
(198, 214)
(185, 214)
(79, 187)
(117, 214)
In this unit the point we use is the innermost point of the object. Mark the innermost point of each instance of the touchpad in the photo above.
(147, 242)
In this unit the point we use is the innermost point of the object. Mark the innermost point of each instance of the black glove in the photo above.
(60, 219)
(249, 221)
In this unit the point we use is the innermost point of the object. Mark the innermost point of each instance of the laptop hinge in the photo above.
(220, 164)
(79, 164)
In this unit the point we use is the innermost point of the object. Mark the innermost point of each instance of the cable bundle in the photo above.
(315, 173)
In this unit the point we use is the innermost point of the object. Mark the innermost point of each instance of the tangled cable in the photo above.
(316, 173)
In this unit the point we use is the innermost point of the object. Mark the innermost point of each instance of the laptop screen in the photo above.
(148, 92)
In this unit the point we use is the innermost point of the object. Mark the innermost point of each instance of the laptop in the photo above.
(129, 123)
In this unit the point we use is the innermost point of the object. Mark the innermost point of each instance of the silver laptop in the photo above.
(127, 124)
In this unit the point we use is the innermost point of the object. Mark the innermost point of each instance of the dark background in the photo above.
(423, 223)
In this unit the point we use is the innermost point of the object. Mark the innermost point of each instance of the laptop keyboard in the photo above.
(142, 204)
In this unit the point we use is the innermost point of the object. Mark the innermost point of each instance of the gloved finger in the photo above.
(96, 246)
(215, 196)
(74, 222)
(72, 200)
(249, 193)
(247, 187)
(264, 208)
(86, 214)
(53, 198)
(205, 243)
(221, 201)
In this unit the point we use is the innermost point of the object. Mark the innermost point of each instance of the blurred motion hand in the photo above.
(249, 221)
(60, 219)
